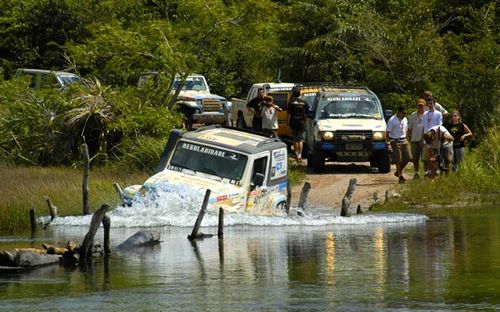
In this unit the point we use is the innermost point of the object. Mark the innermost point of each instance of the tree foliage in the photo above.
(396, 48)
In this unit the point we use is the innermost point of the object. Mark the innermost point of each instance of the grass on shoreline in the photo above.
(24, 188)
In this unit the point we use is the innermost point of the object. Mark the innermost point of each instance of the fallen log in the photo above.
(139, 239)
(28, 259)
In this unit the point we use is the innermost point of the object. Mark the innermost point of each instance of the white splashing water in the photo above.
(178, 205)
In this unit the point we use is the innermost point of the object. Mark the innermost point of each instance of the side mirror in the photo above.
(258, 179)
(387, 114)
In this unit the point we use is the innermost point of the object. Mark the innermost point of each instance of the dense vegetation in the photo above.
(397, 48)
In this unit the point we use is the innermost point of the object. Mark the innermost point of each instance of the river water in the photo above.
(440, 260)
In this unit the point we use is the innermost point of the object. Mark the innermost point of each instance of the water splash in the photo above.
(178, 205)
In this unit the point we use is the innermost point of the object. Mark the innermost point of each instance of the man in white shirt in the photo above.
(439, 143)
(428, 96)
(415, 132)
(397, 128)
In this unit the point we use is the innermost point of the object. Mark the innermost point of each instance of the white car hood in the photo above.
(223, 194)
(350, 124)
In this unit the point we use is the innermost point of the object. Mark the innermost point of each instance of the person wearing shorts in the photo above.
(438, 143)
(397, 128)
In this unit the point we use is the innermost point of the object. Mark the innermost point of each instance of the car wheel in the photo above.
(318, 161)
(240, 123)
(383, 161)
(282, 207)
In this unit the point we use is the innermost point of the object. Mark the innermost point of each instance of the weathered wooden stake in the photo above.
(85, 184)
(303, 195)
(33, 220)
(359, 211)
(346, 201)
(386, 196)
(85, 249)
(119, 190)
(106, 223)
(52, 209)
(220, 230)
(201, 214)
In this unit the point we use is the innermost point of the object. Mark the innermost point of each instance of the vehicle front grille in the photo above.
(353, 135)
(210, 105)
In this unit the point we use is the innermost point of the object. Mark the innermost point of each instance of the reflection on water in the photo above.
(449, 262)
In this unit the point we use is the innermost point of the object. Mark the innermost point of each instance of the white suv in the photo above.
(347, 124)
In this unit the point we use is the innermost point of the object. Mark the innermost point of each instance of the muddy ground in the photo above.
(328, 188)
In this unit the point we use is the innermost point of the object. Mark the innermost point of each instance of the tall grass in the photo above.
(478, 179)
(23, 188)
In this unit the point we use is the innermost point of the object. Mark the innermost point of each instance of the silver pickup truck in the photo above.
(198, 105)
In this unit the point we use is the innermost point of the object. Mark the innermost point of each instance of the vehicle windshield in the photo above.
(67, 79)
(348, 107)
(192, 84)
(209, 160)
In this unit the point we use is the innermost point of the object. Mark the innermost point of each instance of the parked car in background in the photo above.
(281, 92)
(48, 78)
(346, 124)
(195, 101)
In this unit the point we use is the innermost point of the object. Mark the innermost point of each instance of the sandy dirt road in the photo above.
(328, 188)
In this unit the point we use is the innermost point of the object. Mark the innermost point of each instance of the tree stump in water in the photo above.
(346, 201)
(88, 241)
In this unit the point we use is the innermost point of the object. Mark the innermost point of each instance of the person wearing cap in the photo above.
(397, 128)
(415, 133)
(439, 144)
(270, 117)
(427, 95)
(297, 114)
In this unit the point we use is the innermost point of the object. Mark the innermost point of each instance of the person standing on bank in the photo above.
(397, 128)
(427, 95)
(255, 105)
(431, 118)
(460, 133)
(297, 114)
(438, 141)
(415, 133)
(270, 117)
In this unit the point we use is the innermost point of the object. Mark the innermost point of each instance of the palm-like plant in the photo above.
(92, 117)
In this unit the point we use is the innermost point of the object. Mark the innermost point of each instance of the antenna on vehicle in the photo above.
(278, 78)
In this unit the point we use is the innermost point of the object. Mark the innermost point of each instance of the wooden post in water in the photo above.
(201, 214)
(220, 230)
(386, 196)
(359, 211)
(106, 223)
(303, 195)
(52, 209)
(346, 201)
(119, 190)
(88, 241)
(85, 184)
(33, 221)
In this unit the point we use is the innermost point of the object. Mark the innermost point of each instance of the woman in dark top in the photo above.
(460, 133)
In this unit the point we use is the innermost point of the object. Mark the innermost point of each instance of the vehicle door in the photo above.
(310, 123)
(258, 193)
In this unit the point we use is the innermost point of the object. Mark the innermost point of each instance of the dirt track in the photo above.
(328, 188)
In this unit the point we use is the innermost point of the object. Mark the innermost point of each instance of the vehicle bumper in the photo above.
(349, 151)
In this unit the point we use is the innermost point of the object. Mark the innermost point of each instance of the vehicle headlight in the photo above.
(327, 135)
(378, 135)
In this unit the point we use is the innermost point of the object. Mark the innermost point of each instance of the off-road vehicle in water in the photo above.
(246, 172)
(346, 124)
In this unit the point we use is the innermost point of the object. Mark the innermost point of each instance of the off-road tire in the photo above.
(383, 161)
(318, 161)
(240, 122)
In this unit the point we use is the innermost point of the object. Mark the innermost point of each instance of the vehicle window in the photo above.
(281, 99)
(68, 79)
(348, 107)
(259, 166)
(192, 84)
(210, 160)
